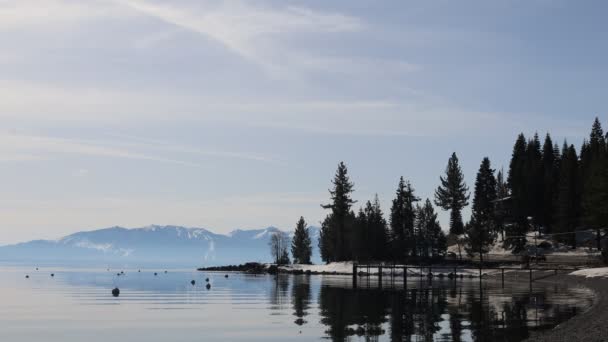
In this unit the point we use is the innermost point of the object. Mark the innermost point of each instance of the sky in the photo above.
(235, 114)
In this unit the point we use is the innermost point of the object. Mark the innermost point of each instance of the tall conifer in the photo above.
(336, 230)
(480, 232)
(402, 221)
(452, 194)
(301, 247)
(519, 194)
(432, 242)
(550, 166)
(568, 199)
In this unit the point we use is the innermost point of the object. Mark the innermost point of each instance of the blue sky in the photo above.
(235, 114)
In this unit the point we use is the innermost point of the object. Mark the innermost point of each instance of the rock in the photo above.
(208, 286)
(165, 272)
(52, 274)
(193, 282)
(118, 274)
(155, 273)
(27, 277)
(226, 276)
(207, 279)
(115, 292)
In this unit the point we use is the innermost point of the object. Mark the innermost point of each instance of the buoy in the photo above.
(155, 273)
(36, 268)
(138, 271)
(52, 274)
(118, 274)
(165, 272)
(208, 286)
(226, 276)
(27, 277)
(207, 279)
(115, 292)
(193, 282)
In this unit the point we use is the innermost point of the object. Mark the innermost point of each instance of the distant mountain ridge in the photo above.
(154, 244)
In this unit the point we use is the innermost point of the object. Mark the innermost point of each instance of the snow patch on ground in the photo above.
(592, 272)
(556, 248)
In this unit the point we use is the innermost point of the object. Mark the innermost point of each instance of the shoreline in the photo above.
(588, 326)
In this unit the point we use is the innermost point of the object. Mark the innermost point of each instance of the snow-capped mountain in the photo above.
(153, 244)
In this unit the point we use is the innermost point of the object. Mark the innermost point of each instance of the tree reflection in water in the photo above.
(300, 298)
(439, 312)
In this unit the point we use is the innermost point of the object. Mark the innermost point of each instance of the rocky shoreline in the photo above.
(589, 326)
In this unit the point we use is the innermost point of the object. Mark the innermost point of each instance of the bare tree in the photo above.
(279, 244)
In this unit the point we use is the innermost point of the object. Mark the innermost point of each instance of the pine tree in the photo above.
(379, 235)
(594, 181)
(360, 243)
(452, 194)
(534, 180)
(336, 231)
(301, 247)
(480, 233)
(500, 210)
(568, 199)
(326, 240)
(550, 165)
(432, 242)
(402, 221)
(519, 196)
(284, 260)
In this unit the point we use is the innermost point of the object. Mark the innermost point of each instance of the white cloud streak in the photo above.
(250, 31)
(21, 148)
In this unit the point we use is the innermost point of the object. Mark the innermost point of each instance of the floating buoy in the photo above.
(36, 268)
(138, 271)
(208, 286)
(52, 274)
(226, 276)
(27, 277)
(118, 274)
(193, 282)
(165, 272)
(155, 273)
(207, 279)
(115, 292)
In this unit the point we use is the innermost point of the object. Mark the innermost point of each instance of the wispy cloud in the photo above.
(18, 148)
(250, 31)
(416, 116)
(48, 14)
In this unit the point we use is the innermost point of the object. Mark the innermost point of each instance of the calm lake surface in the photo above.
(77, 305)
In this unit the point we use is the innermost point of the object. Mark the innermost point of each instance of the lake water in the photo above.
(77, 305)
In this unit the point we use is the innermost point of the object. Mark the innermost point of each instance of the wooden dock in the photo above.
(365, 270)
